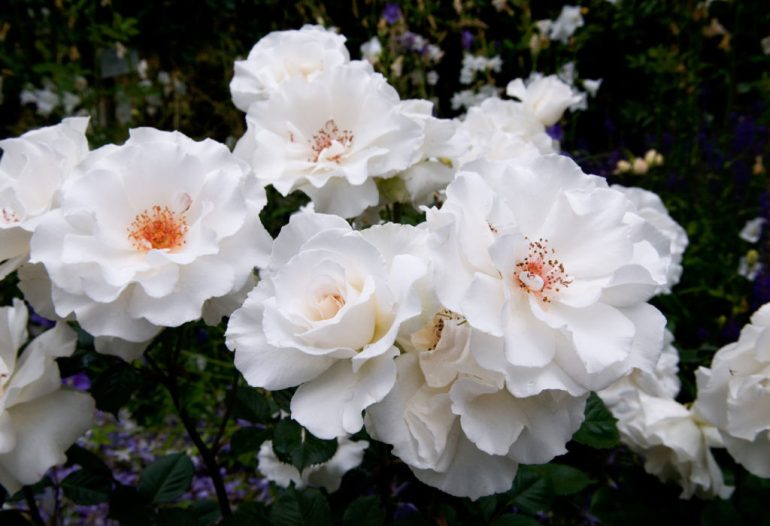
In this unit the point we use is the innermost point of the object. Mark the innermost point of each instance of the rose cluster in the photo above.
(469, 342)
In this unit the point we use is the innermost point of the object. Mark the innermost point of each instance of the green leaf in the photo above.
(113, 387)
(167, 478)
(531, 491)
(247, 439)
(599, 429)
(515, 520)
(282, 398)
(296, 445)
(128, 507)
(251, 405)
(565, 480)
(364, 511)
(306, 508)
(87, 460)
(87, 487)
(248, 514)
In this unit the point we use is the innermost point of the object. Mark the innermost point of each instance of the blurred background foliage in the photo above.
(689, 79)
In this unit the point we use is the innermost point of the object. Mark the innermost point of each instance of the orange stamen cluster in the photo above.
(326, 137)
(158, 228)
(540, 273)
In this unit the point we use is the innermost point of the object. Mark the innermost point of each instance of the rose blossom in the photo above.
(734, 394)
(546, 96)
(504, 129)
(32, 169)
(282, 55)
(651, 208)
(39, 419)
(456, 424)
(543, 256)
(330, 137)
(327, 475)
(673, 439)
(325, 316)
(149, 232)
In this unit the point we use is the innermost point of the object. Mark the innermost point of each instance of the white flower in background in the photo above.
(734, 394)
(46, 99)
(330, 136)
(455, 424)
(371, 50)
(32, 169)
(473, 64)
(765, 42)
(282, 55)
(592, 86)
(749, 265)
(544, 257)
(547, 97)
(469, 98)
(325, 316)
(39, 420)
(752, 230)
(651, 208)
(674, 441)
(445, 142)
(565, 25)
(327, 475)
(505, 129)
(148, 232)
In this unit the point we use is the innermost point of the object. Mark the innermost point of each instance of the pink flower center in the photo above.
(330, 143)
(158, 228)
(541, 273)
(8, 215)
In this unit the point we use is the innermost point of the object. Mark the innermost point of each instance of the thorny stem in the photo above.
(171, 382)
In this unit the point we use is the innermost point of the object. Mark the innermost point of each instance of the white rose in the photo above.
(445, 142)
(546, 96)
(330, 136)
(734, 394)
(282, 55)
(325, 317)
(673, 439)
(32, 169)
(148, 232)
(327, 475)
(456, 424)
(39, 420)
(543, 256)
(651, 208)
(504, 129)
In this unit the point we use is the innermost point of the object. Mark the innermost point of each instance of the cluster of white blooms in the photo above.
(39, 419)
(310, 125)
(470, 342)
(475, 64)
(675, 441)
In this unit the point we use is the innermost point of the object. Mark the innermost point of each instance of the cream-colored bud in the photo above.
(640, 166)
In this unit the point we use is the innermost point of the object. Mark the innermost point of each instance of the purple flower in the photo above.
(466, 38)
(79, 381)
(391, 13)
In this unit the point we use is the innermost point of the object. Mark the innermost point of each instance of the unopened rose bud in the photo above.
(640, 166)
(623, 166)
